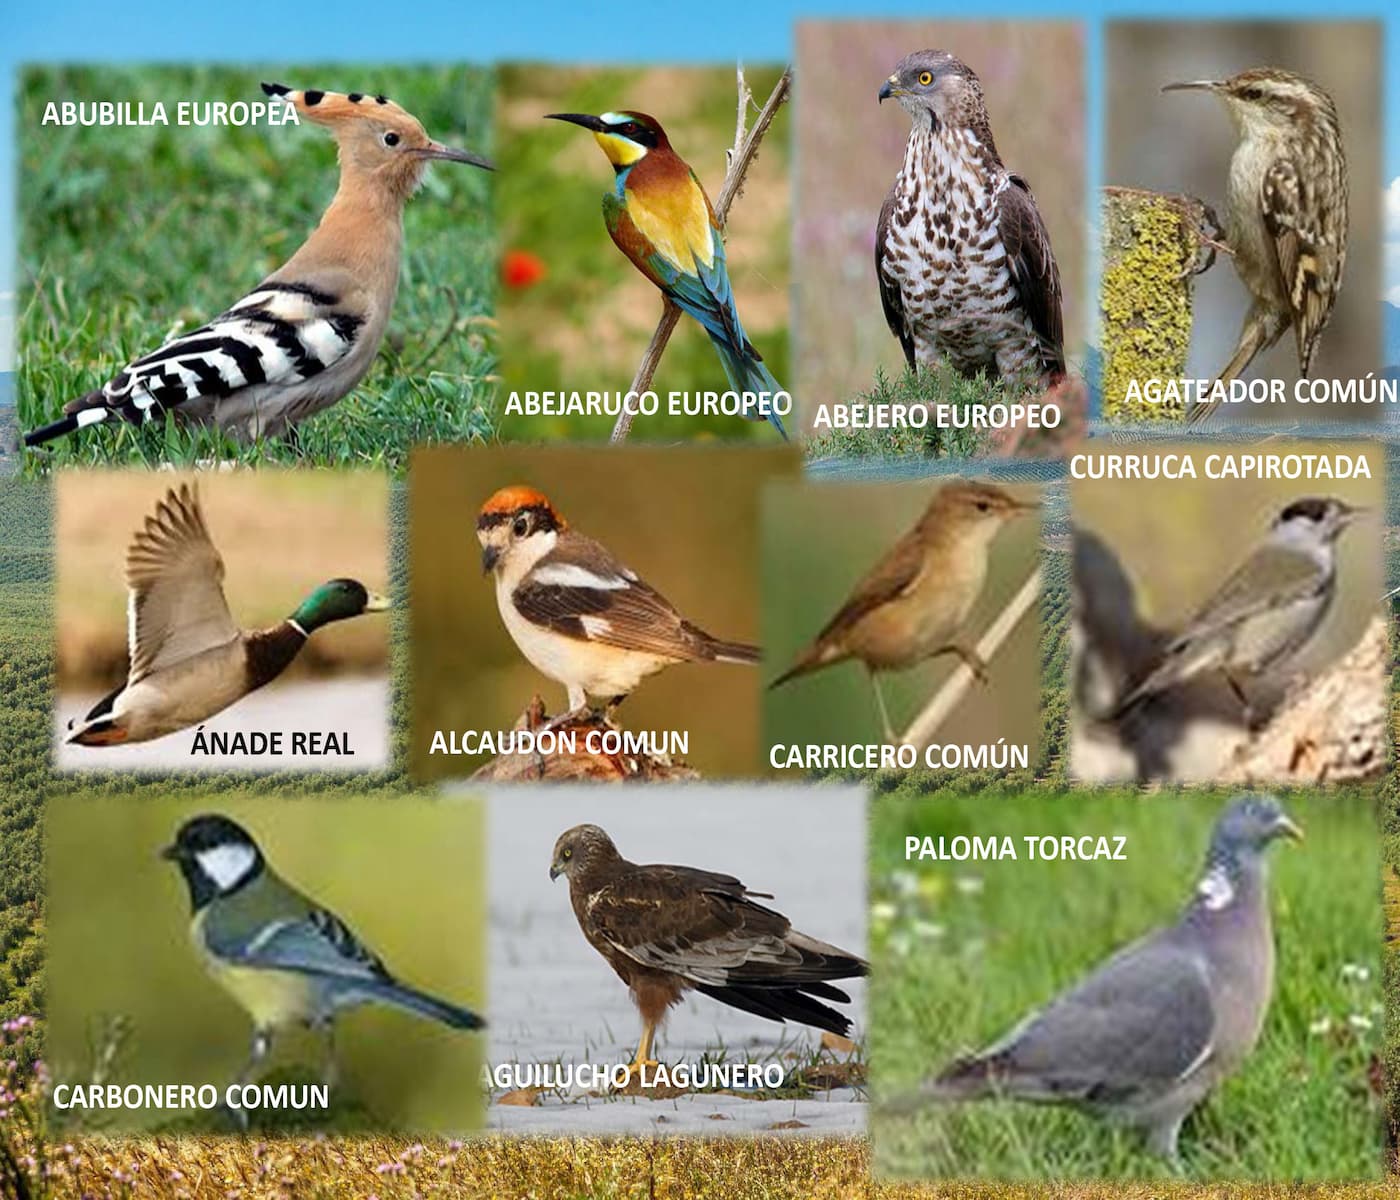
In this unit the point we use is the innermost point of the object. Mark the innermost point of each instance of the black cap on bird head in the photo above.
(216, 855)
(1326, 516)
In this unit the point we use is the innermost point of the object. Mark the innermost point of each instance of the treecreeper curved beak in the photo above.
(436, 150)
(1192, 85)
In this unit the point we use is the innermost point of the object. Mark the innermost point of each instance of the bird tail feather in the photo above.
(747, 372)
(816, 656)
(782, 1004)
(421, 1004)
(734, 652)
(90, 409)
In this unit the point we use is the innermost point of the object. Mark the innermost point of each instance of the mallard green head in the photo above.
(337, 600)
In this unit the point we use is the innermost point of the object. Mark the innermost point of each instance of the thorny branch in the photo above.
(739, 158)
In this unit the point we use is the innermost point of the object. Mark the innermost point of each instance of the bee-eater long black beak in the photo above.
(886, 90)
(596, 124)
(437, 150)
(489, 555)
(1192, 85)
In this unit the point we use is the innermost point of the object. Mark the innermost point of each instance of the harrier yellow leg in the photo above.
(642, 1058)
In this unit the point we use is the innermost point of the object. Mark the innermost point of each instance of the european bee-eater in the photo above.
(661, 218)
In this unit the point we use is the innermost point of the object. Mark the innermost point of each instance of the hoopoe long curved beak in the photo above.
(436, 150)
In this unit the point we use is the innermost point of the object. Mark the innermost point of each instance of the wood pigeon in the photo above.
(1150, 1033)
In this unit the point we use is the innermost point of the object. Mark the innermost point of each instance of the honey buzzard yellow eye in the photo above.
(925, 78)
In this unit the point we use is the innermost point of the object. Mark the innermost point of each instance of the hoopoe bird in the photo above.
(306, 335)
(662, 220)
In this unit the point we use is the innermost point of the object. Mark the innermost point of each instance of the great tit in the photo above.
(284, 958)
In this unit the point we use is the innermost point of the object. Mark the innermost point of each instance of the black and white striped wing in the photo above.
(278, 336)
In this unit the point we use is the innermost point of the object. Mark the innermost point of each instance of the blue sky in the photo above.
(261, 33)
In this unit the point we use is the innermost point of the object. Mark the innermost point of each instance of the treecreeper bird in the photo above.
(1266, 611)
(662, 220)
(1149, 1034)
(187, 658)
(1286, 209)
(306, 335)
(914, 602)
(667, 930)
(285, 959)
(580, 616)
(966, 272)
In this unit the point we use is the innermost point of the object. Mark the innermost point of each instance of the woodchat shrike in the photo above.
(580, 616)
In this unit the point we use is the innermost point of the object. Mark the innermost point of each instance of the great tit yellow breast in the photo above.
(272, 999)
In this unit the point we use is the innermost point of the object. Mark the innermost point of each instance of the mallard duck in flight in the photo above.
(188, 659)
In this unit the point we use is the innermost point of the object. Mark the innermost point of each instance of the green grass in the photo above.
(961, 951)
(131, 234)
(915, 389)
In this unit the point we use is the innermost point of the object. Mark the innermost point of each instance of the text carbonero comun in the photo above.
(753, 405)
(655, 743)
(585, 1076)
(952, 756)
(1273, 464)
(189, 1095)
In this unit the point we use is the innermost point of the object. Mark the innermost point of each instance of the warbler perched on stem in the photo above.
(914, 602)
(1267, 610)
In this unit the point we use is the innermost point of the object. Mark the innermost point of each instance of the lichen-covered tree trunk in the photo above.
(1151, 244)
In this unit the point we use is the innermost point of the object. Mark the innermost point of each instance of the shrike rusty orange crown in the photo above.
(507, 501)
(577, 614)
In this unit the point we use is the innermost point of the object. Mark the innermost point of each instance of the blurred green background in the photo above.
(962, 951)
(1179, 539)
(586, 321)
(686, 519)
(406, 876)
(129, 234)
(849, 148)
(819, 540)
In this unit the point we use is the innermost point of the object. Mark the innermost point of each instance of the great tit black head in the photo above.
(216, 855)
